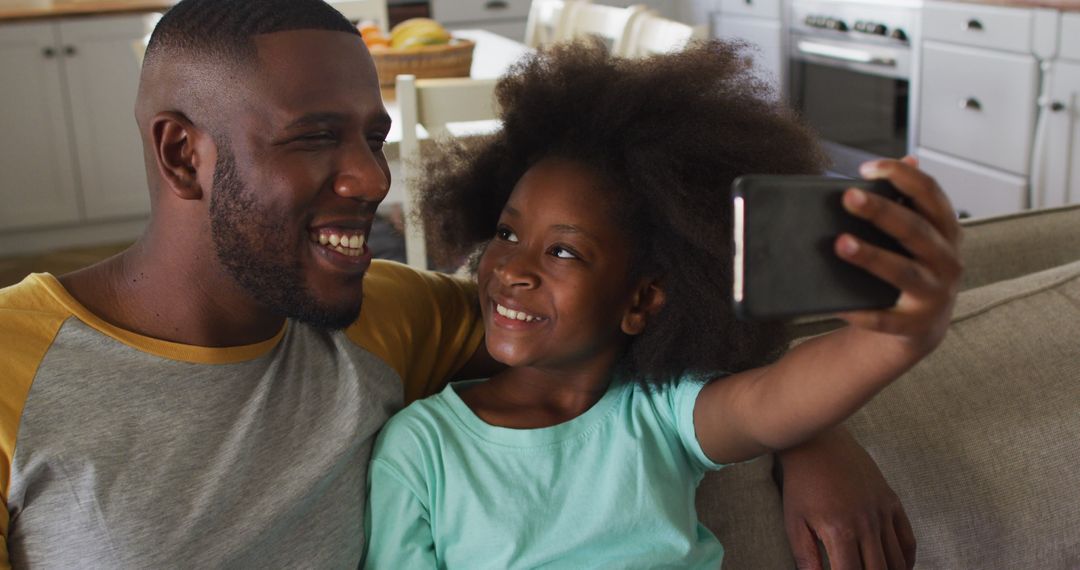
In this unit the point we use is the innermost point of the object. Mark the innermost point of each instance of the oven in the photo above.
(851, 75)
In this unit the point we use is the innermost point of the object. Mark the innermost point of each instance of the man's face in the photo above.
(299, 175)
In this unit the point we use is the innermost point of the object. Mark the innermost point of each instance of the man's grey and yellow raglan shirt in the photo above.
(123, 451)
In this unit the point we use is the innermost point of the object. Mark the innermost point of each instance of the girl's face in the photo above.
(554, 286)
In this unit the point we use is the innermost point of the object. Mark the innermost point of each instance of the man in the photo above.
(209, 397)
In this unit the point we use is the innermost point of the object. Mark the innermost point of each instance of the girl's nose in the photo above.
(513, 271)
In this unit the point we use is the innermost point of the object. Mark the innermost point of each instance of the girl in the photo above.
(602, 212)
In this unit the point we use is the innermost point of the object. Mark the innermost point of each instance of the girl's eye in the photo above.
(563, 253)
(506, 234)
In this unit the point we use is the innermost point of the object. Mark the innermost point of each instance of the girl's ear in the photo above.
(648, 300)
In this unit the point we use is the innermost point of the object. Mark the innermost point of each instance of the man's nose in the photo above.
(363, 175)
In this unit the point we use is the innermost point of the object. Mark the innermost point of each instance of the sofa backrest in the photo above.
(1005, 247)
(981, 440)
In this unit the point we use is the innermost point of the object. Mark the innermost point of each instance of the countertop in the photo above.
(82, 8)
(1063, 5)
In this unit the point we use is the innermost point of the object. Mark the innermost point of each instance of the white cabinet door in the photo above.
(979, 104)
(37, 179)
(103, 78)
(975, 191)
(765, 35)
(1062, 181)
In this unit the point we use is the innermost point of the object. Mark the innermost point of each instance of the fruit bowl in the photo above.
(452, 59)
(417, 46)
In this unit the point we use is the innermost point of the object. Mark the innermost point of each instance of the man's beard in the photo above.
(254, 247)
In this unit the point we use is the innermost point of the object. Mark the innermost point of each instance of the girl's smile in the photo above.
(555, 281)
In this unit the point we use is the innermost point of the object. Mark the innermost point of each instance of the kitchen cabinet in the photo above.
(761, 24)
(37, 166)
(1058, 179)
(504, 17)
(71, 153)
(980, 85)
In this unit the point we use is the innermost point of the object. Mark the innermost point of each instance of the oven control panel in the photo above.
(872, 20)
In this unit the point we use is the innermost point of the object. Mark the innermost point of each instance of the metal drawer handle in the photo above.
(1057, 106)
(749, 2)
(49, 53)
(69, 50)
(973, 25)
(496, 5)
(971, 104)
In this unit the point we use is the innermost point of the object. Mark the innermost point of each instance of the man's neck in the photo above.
(156, 292)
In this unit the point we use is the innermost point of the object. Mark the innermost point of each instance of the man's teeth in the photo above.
(352, 245)
(512, 314)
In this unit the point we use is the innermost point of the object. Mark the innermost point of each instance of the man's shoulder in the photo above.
(32, 294)
(29, 305)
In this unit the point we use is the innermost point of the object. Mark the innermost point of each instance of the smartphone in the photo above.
(785, 262)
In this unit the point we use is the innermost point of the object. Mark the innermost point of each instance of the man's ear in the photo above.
(177, 154)
(648, 300)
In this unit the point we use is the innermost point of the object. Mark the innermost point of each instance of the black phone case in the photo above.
(785, 264)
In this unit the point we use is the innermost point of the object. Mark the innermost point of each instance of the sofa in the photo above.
(981, 440)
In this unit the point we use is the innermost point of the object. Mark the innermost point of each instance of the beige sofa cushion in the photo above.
(982, 439)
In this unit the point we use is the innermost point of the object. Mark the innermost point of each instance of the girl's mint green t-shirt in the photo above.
(612, 488)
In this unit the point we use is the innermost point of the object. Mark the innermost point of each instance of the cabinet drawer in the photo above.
(758, 8)
(979, 105)
(980, 26)
(975, 191)
(454, 11)
(1070, 36)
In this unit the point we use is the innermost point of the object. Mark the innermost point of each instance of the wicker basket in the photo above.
(448, 60)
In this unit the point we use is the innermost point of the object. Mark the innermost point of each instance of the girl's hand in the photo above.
(928, 281)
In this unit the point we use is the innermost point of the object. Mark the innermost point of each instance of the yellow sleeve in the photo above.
(29, 320)
(425, 325)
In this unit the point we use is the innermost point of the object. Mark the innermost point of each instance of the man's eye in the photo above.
(319, 137)
(377, 143)
(506, 234)
(563, 253)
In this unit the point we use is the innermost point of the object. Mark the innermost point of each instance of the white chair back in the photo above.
(652, 35)
(359, 10)
(610, 23)
(548, 21)
(433, 103)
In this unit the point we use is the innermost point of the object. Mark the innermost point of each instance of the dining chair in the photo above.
(360, 10)
(548, 20)
(433, 104)
(652, 34)
(609, 23)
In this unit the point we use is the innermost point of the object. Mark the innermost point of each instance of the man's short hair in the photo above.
(224, 28)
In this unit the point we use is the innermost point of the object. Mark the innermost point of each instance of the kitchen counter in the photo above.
(81, 8)
(1063, 5)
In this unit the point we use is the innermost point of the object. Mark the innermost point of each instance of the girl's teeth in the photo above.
(512, 314)
(323, 239)
(334, 240)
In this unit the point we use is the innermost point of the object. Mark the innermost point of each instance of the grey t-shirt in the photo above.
(130, 452)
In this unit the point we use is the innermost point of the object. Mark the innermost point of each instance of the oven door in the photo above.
(854, 95)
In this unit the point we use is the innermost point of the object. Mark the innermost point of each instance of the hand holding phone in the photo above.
(926, 278)
(785, 263)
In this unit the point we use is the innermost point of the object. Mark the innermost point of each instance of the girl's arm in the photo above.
(824, 380)
(397, 524)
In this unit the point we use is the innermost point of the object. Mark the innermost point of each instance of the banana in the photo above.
(417, 32)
